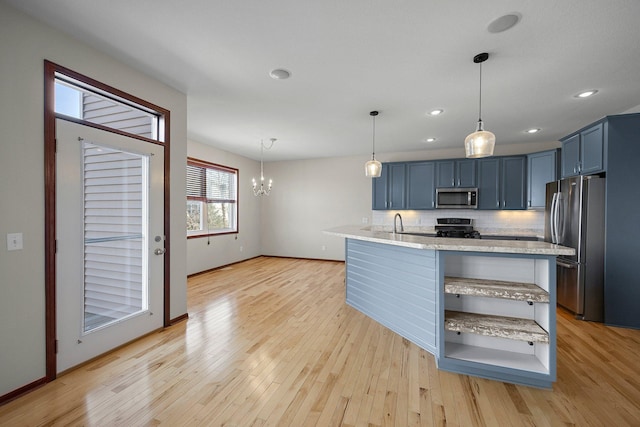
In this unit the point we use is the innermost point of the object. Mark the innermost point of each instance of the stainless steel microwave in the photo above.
(456, 198)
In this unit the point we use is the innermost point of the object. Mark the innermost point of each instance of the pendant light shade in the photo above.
(481, 142)
(373, 168)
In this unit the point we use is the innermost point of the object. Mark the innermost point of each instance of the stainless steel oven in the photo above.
(457, 198)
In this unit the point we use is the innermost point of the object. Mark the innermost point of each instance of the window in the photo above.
(88, 104)
(212, 205)
(116, 185)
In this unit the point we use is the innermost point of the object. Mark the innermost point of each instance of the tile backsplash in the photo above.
(525, 223)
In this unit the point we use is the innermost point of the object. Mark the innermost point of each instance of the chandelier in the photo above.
(260, 190)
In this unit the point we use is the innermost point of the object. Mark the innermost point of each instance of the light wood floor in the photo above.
(270, 341)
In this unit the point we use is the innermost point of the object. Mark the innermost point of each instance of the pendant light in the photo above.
(373, 168)
(481, 142)
(260, 190)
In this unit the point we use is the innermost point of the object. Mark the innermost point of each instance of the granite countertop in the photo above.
(450, 244)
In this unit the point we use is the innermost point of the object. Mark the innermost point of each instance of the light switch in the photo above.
(14, 241)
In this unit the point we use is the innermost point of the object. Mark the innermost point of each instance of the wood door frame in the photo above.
(50, 70)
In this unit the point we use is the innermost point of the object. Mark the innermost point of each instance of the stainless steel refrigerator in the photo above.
(574, 217)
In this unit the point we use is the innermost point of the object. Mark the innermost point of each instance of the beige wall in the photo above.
(308, 197)
(215, 251)
(24, 45)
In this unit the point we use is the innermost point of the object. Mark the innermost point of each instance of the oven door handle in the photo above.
(565, 264)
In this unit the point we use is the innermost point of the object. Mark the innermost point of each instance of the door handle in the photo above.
(565, 265)
(553, 220)
(159, 251)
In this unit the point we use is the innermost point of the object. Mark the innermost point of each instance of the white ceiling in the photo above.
(348, 57)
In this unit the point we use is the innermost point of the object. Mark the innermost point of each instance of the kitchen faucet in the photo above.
(395, 229)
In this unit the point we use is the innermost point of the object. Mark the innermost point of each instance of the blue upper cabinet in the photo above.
(380, 192)
(583, 152)
(389, 188)
(502, 182)
(489, 183)
(541, 168)
(571, 156)
(592, 145)
(421, 185)
(514, 182)
(456, 173)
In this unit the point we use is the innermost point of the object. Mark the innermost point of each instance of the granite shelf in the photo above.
(495, 289)
(495, 326)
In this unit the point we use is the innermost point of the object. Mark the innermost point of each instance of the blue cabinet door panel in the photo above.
(541, 169)
(571, 156)
(466, 173)
(489, 183)
(421, 185)
(379, 190)
(514, 180)
(592, 150)
(445, 174)
(396, 186)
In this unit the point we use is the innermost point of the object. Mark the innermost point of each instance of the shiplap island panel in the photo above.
(482, 307)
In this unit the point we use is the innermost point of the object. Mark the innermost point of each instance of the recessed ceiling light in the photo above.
(533, 130)
(436, 112)
(280, 74)
(429, 140)
(504, 22)
(587, 93)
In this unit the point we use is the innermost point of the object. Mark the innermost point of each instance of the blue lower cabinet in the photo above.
(445, 302)
(396, 287)
(498, 317)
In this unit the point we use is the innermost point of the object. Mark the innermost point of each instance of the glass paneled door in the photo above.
(110, 243)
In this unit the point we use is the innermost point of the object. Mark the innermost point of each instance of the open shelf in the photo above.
(512, 328)
(489, 356)
(495, 289)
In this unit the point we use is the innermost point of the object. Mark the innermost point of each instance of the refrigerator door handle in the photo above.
(556, 219)
(553, 220)
(565, 265)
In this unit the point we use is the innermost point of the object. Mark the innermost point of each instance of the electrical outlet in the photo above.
(14, 241)
(324, 248)
(241, 248)
(365, 220)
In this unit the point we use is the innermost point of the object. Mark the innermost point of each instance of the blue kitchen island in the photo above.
(481, 307)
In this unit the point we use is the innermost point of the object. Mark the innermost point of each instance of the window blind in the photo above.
(211, 198)
(114, 234)
(211, 182)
